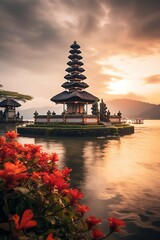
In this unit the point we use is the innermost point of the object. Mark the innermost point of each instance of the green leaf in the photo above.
(51, 219)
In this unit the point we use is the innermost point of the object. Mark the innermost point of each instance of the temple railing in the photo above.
(115, 119)
(67, 119)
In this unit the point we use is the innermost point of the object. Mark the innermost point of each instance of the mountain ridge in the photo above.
(134, 108)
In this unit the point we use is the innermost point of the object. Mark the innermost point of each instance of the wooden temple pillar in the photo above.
(86, 107)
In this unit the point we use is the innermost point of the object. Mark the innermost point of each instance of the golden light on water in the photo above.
(122, 169)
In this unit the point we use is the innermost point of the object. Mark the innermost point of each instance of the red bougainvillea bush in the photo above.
(36, 200)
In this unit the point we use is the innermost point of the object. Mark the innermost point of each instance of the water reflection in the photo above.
(73, 154)
(6, 127)
(118, 177)
(125, 182)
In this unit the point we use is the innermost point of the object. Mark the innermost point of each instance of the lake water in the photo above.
(119, 178)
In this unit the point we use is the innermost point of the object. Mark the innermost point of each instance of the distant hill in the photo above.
(153, 113)
(132, 108)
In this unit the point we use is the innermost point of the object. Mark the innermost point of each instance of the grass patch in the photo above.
(66, 126)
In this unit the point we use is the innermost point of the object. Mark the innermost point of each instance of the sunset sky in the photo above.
(119, 39)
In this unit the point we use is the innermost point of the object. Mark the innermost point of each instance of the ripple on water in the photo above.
(144, 218)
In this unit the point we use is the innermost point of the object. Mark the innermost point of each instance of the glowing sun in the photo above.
(119, 87)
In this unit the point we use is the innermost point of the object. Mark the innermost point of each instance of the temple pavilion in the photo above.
(75, 99)
(9, 114)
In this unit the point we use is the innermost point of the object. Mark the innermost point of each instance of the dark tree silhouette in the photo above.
(15, 95)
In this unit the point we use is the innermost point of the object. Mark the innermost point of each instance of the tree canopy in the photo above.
(15, 95)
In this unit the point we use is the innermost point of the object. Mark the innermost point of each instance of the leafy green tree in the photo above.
(15, 95)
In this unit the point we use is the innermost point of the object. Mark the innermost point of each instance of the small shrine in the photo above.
(75, 98)
(9, 114)
(105, 115)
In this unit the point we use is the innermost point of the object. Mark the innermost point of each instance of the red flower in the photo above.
(54, 157)
(26, 220)
(31, 151)
(92, 221)
(82, 209)
(61, 184)
(9, 151)
(74, 195)
(49, 179)
(66, 171)
(55, 182)
(50, 237)
(57, 173)
(2, 141)
(97, 233)
(114, 223)
(46, 161)
(11, 135)
(13, 172)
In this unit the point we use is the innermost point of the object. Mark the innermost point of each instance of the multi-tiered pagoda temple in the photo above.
(75, 99)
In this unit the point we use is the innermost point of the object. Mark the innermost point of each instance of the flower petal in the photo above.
(26, 217)
(16, 218)
(29, 224)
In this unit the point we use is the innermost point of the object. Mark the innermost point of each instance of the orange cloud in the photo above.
(154, 79)
(35, 47)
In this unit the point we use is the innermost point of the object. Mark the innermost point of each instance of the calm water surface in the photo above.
(119, 178)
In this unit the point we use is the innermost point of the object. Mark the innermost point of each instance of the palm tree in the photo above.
(15, 95)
